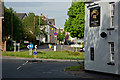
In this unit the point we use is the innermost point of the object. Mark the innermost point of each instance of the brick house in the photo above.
(1, 17)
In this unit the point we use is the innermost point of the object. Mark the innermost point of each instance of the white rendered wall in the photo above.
(101, 45)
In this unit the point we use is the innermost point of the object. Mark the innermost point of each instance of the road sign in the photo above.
(26, 41)
(55, 33)
(50, 46)
(51, 28)
(35, 46)
(35, 55)
(31, 46)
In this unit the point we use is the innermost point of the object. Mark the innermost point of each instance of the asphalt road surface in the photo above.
(14, 68)
(21, 69)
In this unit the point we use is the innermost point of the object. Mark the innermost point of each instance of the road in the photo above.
(15, 68)
(21, 69)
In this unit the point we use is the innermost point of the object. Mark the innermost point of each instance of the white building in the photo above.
(49, 38)
(102, 36)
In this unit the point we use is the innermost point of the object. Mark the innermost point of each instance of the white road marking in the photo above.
(19, 67)
(22, 65)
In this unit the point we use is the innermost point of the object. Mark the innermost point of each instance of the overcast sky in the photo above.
(57, 10)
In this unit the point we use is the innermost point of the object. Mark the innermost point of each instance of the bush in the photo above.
(22, 46)
(9, 48)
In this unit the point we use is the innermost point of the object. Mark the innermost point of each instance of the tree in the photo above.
(61, 36)
(12, 26)
(75, 23)
(30, 28)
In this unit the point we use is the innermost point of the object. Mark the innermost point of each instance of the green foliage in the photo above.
(61, 36)
(46, 55)
(75, 68)
(12, 25)
(29, 24)
(30, 30)
(73, 53)
(75, 23)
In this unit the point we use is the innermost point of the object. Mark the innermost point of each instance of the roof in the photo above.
(91, 1)
(21, 15)
(52, 21)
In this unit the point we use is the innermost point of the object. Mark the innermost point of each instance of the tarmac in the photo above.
(81, 73)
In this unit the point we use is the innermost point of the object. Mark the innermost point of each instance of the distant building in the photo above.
(1, 18)
(21, 15)
(59, 29)
(51, 21)
(49, 28)
(102, 36)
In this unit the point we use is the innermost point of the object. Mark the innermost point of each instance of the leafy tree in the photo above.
(75, 23)
(12, 26)
(30, 29)
(61, 36)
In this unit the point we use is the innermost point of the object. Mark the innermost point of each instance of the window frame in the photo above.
(92, 51)
(112, 13)
(112, 51)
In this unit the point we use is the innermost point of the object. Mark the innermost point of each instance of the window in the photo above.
(95, 17)
(111, 51)
(112, 8)
(92, 53)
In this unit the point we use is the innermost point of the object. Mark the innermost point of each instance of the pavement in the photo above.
(21, 68)
(54, 60)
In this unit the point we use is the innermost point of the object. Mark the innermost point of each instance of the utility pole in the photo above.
(34, 24)
(39, 34)
(39, 21)
(11, 25)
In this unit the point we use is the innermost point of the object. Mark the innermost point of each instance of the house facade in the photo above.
(50, 29)
(102, 36)
(1, 18)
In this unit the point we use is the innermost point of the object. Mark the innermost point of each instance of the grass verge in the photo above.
(75, 68)
(48, 55)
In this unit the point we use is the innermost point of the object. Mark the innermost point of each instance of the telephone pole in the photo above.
(39, 34)
(11, 25)
(34, 24)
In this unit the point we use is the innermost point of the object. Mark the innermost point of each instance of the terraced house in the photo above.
(102, 36)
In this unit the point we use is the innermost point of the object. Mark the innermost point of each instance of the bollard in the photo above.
(18, 47)
(35, 55)
(54, 48)
(14, 46)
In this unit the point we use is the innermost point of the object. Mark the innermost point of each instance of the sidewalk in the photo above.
(59, 60)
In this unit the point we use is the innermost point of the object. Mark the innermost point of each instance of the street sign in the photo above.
(51, 28)
(50, 46)
(35, 55)
(31, 46)
(76, 45)
(26, 41)
(35, 46)
(55, 33)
